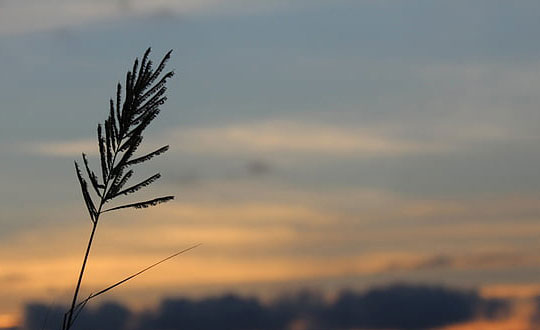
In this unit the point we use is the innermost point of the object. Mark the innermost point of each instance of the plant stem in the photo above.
(67, 325)
(95, 221)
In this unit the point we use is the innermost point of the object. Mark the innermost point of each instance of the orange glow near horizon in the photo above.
(254, 241)
(520, 319)
(9, 320)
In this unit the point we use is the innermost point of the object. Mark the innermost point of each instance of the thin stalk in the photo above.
(76, 294)
(110, 287)
(67, 325)
(94, 227)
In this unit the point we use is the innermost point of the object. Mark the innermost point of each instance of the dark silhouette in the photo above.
(118, 139)
(536, 315)
(393, 307)
(407, 307)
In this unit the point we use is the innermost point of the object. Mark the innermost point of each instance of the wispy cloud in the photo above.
(264, 137)
(29, 16)
(71, 148)
(20, 16)
(296, 137)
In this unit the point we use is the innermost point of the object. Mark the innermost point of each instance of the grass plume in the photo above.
(119, 138)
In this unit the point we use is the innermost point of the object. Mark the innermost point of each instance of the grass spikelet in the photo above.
(119, 137)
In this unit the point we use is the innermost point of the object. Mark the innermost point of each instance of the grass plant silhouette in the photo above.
(118, 139)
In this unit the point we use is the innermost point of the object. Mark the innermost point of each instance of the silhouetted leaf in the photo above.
(160, 67)
(127, 106)
(160, 85)
(112, 120)
(86, 195)
(143, 205)
(134, 71)
(118, 106)
(108, 142)
(151, 104)
(131, 140)
(132, 145)
(143, 69)
(144, 121)
(139, 186)
(148, 156)
(102, 153)
(118, 183)
(93, 178)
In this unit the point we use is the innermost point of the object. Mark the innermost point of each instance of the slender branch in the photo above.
(69, 320)
(110, 287)
(94, 227)
(67, 323)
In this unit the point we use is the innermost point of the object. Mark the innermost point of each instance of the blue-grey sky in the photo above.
(393, 133)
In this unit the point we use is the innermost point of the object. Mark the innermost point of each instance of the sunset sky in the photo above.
(314, 144)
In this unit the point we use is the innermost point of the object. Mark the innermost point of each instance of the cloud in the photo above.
(30, 15)
(295, 137)
(261, 138)
(12, 278)
(259, 167)
(108, 316)
(25, 16)
(513, 290)
(395, 306)
(406, 307)
(518, 318)
(8, 322)
(70, 149)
